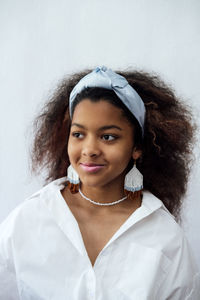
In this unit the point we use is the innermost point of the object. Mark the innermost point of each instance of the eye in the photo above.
(109, 137)
(77, 135)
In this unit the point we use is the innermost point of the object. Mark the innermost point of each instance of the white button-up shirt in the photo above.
(43, 257)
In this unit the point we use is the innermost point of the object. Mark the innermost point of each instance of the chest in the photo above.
(121, 273)
(97, 230)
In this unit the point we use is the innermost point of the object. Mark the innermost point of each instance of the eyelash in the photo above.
(76, 134)
(114, 137)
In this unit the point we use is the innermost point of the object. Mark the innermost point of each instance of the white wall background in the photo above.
(43, 40)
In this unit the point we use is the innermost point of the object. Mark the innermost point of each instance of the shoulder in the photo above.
(165, 234)
(161, 221)
(31, 209)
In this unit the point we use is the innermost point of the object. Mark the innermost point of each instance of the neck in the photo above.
(106, 193)
(103, 197)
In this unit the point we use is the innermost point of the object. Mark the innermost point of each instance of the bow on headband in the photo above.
(106, 78)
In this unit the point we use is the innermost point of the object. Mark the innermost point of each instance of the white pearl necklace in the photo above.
(99, 203)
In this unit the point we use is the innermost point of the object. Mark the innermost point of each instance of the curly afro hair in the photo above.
(168, 136)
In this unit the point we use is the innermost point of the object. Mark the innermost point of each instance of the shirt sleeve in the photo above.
(8, 279)
(183, 279)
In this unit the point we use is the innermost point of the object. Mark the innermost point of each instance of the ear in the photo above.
(136, 153)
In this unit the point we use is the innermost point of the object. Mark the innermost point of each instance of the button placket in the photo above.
(101, 265)
(91, 284)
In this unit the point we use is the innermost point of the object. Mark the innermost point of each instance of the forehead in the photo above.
(99, 112)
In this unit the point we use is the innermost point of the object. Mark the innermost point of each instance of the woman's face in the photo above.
(100, 144)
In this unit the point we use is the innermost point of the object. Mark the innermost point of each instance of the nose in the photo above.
(91, 147)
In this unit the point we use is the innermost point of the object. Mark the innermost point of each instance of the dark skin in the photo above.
(101, 135)
(97, 224)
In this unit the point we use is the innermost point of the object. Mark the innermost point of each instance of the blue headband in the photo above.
(106, 78)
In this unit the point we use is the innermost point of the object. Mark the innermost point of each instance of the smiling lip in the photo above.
(89, 167)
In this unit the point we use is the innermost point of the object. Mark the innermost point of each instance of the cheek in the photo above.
(121, 155)
(72, 150)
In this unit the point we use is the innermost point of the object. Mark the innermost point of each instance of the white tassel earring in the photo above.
(133, 180)
(73, 179)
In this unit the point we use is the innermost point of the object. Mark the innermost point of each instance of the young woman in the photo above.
(117, 147)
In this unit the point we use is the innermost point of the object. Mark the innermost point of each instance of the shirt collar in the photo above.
(62, 214)
(67, 222)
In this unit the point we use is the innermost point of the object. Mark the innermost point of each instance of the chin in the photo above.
(98, 181)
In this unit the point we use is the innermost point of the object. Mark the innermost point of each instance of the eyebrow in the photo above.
(100, 129)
